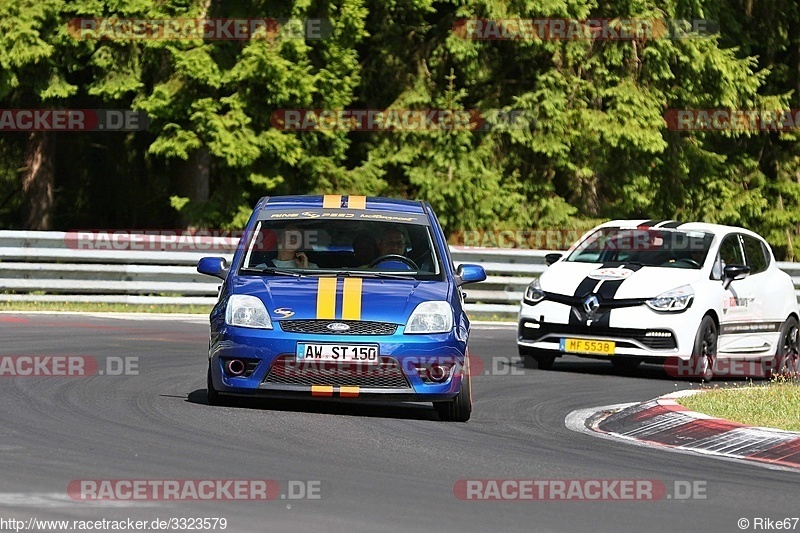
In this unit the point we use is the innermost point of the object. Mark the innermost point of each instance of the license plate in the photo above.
(338, 353)
(588, 346)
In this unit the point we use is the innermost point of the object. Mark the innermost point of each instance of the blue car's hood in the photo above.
(383, 300)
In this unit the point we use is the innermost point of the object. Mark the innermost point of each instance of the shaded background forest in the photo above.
(598, 147)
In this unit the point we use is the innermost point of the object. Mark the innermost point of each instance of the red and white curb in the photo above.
(666, 424)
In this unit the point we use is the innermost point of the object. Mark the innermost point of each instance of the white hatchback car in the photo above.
(700, 296)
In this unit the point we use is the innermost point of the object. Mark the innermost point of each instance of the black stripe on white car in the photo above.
(585, 288)
(607, 293)
(672, 224)
(650, 223)
(595, 312)
(750, 327)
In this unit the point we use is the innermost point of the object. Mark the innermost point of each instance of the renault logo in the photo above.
(338, 326)
(591, 304)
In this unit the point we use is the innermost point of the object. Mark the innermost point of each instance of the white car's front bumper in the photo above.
(637, 331)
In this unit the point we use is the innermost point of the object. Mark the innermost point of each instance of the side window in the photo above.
(756, 256)
(730, 253)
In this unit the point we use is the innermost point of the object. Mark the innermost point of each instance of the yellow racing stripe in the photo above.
(326, 298)
(348, 392)
(351, 300)
(332, 201)
(356, 202)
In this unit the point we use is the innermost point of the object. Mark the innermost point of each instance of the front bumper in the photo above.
(272, 370)
(637, 331)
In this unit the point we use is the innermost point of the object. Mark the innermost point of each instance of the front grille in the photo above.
(357, 327)
(605, 302)
(387, 375)
(663, 339)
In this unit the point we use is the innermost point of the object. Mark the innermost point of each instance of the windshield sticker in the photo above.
(313, 214)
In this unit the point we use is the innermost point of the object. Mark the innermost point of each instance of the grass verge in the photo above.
(488, 317)
(772, 405)
(103, 307)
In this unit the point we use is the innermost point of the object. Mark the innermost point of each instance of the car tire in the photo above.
(536, 359)
(704, 351)
(459, 408)
(213, 397)
(787, 359)
(544, 362)
(626, 365)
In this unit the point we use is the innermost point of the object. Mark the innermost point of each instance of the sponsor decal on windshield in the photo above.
(351, 214)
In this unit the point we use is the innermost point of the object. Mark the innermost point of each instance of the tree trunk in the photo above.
(194, 176)
(794, 47)
(38, 180)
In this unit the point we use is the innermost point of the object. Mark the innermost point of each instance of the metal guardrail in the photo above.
(49, 267)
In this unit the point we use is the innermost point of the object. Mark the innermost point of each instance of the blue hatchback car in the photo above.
(344, 298)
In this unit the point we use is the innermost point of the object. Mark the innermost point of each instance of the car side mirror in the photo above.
(733, 272)
(213, 266)
(549, 259)
(469, 274)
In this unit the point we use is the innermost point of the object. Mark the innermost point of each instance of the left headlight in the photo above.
(247, 311)
(533, 293)
(431, 317)
(675, 300)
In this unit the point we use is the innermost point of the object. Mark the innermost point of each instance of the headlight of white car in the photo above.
(431, 317)
(247, 311)
(675, 300)
(534, 293)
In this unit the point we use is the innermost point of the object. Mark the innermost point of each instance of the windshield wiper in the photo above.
(323, 272)
(368, 274)
(273, 270)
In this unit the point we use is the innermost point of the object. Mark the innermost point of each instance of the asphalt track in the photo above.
(382, 468)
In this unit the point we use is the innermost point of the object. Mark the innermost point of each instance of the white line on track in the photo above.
(46, 500)
(487, 325)
(183, 317)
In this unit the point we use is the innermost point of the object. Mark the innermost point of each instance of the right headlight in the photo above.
(247, 311)
(431, 317)
(675, 300)
(533, 293)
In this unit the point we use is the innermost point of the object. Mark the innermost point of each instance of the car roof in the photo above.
(717, 229)
(370, 203)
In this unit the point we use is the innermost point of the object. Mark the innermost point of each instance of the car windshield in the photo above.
(655, 247)
(365, 248)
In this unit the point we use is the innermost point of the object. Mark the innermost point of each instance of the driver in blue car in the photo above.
(392, 242)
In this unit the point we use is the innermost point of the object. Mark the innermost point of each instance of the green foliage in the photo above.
(593, 143)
